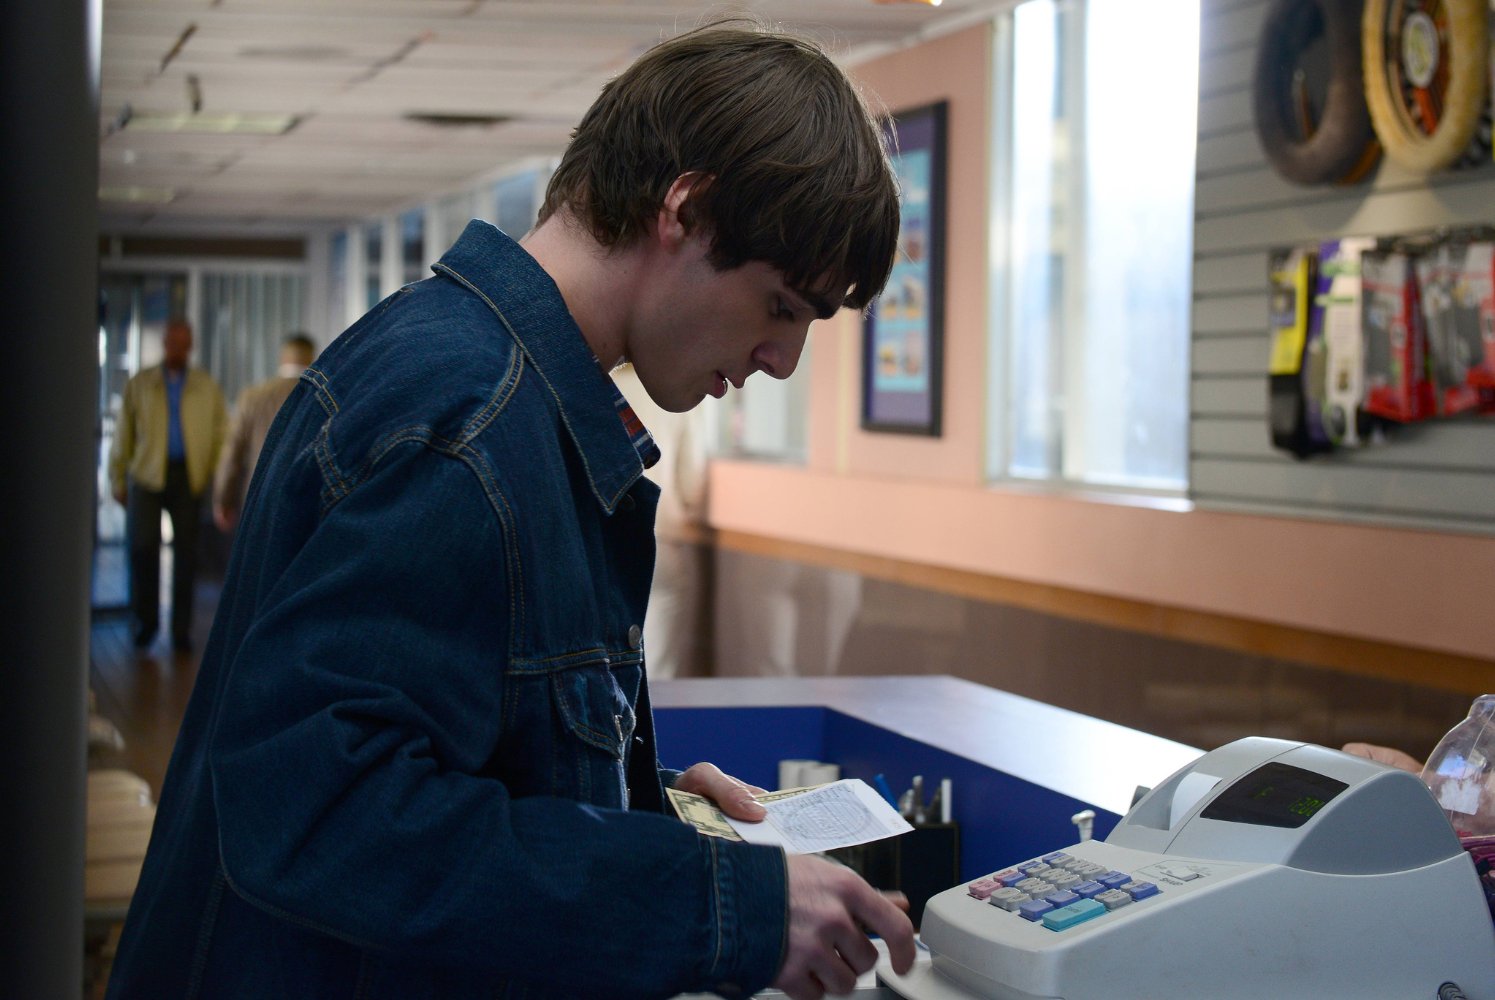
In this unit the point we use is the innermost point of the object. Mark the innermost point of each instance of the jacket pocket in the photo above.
(596, 720)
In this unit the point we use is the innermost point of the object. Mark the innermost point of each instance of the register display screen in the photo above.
(1275, 794)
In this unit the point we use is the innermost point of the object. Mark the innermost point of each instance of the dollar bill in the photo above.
(703, 814)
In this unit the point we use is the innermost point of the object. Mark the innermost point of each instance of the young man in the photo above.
(419, 760)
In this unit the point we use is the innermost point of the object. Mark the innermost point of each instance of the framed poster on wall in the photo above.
(903, 338)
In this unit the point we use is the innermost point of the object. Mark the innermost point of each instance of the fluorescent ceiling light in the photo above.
(236, 122)
(137, 195)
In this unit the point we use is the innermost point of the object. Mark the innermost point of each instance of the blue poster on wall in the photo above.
(902, 350)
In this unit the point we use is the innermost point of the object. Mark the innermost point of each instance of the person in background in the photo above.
(167, 439)
(254, 412)
(1389, 756)
(676, 637)
(419, 759)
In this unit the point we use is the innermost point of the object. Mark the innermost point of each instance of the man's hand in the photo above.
(831, 912)
(120, 496)
(733, 797)
(224, 518)
(1385, 755)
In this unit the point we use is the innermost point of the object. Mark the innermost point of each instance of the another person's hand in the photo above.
(1385, 755)
(223, 518)
(120, 496)
(733, 797)
(831, 912)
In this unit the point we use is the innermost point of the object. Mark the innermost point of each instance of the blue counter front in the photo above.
(1019, 769)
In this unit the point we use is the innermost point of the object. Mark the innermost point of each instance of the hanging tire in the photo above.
(1426, 80)
(1336, 145)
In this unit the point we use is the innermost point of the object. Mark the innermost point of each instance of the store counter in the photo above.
(1019, 769)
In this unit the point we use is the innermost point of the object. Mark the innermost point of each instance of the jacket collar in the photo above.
(529, 305)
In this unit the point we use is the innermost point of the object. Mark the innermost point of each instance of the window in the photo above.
(453, 213)
(412, 245)
(373, 257)
(516, 202)
(338, 263)
(1094, 140)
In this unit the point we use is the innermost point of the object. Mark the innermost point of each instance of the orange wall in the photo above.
(925, 500)
(953, 68)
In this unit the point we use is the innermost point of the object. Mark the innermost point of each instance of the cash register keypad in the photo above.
(1060, 891)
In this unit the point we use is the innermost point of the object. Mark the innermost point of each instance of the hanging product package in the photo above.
(1451, 312)
(1474, 319)
(1396, 379)
(1334, 373)
(1292, 274)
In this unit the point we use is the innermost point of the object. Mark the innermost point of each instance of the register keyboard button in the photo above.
(1113, 880)
(1075, 913)
(1113, 899)
(1034, 909)
(1008, 899)
(1140, 890)
(983, 887)
(1088, 890)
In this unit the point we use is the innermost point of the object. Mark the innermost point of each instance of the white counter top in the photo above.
(1077, 755)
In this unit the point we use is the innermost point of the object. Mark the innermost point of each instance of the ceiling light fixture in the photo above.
(922, 3)
(221, 122)
(136, 195)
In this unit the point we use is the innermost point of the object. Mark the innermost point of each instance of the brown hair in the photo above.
(795, 169)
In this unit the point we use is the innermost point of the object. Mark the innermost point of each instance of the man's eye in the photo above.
(781, 310)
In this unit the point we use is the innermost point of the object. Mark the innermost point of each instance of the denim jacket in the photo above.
(419, 761)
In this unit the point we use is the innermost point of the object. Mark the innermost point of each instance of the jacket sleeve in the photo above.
(352, 773)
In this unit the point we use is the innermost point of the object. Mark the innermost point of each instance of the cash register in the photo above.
(1266, 868)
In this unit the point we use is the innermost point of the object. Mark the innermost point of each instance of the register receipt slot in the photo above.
(1264, 869)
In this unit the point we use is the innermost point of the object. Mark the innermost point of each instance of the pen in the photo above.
(885, 790)
(918, 791)
(945, 800)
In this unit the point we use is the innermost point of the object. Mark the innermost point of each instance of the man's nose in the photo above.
(779, 358)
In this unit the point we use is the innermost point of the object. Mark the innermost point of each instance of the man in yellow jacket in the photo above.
(166, 444)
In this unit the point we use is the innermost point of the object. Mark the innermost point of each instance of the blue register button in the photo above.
(1075, 913)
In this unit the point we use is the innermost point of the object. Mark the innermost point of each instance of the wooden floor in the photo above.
(144, 692)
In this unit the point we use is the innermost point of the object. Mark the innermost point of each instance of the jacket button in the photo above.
(635, 637)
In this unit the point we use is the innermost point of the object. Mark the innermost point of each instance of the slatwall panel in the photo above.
(1439, 474)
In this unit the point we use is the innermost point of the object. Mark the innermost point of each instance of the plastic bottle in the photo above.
(1461, 771)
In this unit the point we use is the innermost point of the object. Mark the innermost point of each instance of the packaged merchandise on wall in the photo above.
(1474, 314)
(1450, 302)
(1335, 330)
(1396, 377)
(1292, 273)
(1394, 330)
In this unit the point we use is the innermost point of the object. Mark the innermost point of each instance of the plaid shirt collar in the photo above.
(638, 434)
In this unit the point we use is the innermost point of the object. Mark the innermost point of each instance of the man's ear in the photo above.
(675, 221)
